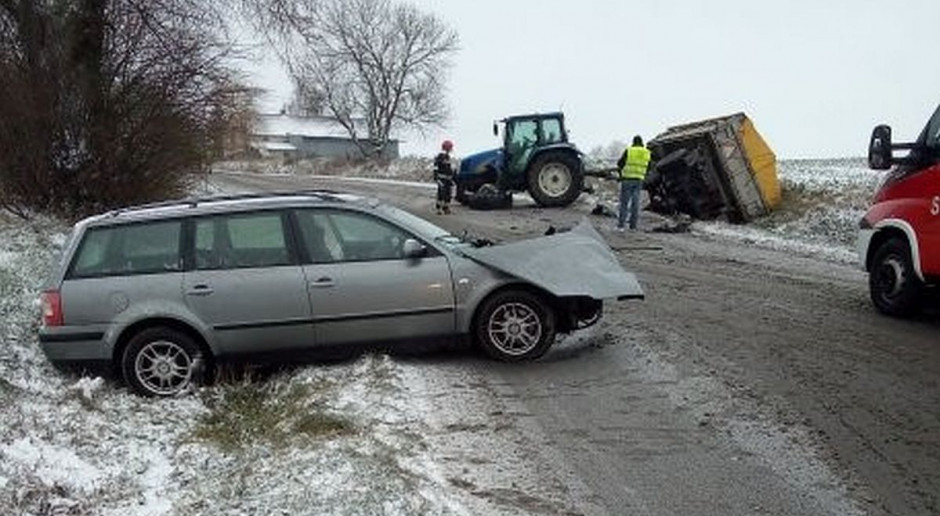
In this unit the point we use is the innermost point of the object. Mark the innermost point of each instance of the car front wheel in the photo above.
(893, 283)
(515, 326)
(160, 362)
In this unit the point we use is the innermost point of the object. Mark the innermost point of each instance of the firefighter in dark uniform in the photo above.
(444, 177)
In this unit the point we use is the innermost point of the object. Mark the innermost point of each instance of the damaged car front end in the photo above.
(556, 282)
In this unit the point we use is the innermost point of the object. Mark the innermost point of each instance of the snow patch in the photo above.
(52, 464)
(87, 388)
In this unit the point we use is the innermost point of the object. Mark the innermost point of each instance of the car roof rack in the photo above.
(192, 202)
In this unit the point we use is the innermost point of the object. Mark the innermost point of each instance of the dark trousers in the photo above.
(444, 187)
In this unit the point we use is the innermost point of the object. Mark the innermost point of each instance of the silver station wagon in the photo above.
(163, 292)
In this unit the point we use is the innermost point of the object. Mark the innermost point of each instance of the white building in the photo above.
(291, 137)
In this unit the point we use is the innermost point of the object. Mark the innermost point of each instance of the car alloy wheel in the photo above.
(513, 326)
(161, 362)
(163, 367)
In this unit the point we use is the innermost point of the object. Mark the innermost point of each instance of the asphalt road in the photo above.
(749, 381)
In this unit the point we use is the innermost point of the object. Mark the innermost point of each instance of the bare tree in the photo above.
(376, 66)
(108, 102)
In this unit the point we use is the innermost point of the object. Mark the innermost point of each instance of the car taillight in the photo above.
(52, 308)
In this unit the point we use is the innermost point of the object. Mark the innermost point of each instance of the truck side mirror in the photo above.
(495, 129)
(879, 149)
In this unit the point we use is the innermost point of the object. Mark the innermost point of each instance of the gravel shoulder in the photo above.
(750, 381)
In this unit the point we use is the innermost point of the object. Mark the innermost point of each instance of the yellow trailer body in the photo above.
(716, 167)
(763, 164)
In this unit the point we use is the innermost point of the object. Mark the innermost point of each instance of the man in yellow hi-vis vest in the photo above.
(633, 165)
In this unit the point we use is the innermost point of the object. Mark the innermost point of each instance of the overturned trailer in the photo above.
(716, 168)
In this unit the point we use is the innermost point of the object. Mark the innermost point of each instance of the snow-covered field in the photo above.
(823, 201)
(367, 437)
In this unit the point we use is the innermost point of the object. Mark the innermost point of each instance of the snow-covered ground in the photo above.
(367, 437)
(374, 436)
(823, 201)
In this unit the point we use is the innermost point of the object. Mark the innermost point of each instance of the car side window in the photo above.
(240, 241)
(337, 236)
(129, 249)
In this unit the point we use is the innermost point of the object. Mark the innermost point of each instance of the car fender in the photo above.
(157, 310)
(473, 282)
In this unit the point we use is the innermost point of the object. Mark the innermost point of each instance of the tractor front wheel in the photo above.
(555, 179)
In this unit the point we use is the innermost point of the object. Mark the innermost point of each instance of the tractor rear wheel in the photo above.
(555, 179)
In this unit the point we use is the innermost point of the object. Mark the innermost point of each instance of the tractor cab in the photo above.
(523, 135)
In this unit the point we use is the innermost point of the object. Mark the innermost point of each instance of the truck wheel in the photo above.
(555, 179)
(514, 326)
(893, 283)
(160, 362)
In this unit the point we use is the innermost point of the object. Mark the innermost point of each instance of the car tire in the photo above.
(161, 362)
(892, 281)
(555, 179)
(515, 326)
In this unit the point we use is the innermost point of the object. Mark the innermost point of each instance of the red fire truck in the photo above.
(899, 237)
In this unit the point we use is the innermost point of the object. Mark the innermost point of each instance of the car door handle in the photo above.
(200, 290)
(322, 283)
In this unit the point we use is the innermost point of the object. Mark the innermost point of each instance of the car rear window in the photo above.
(129, 249)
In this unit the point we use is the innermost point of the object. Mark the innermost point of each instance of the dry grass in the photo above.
(270, 413)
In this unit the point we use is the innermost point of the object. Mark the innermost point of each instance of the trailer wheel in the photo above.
(555, 179)
(894, 286)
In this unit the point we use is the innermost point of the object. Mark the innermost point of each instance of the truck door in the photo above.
(930, 236)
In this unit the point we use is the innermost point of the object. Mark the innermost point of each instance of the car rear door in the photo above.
(362, 288)
(247, 284)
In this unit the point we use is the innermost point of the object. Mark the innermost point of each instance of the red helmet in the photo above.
(447, 145)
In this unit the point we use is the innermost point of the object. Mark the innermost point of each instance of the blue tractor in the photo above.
(536, 157)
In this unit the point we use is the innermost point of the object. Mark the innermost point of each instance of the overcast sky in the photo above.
(814, 76)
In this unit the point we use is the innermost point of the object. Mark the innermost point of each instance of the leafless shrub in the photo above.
(109, 102)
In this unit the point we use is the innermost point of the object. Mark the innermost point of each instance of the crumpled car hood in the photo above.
(574, 263)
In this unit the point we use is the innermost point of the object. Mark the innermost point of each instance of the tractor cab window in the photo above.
(521, 138)
(523, 133)
(551, 131)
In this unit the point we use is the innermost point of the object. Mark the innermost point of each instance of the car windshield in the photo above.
(420, 226)
(433, 232)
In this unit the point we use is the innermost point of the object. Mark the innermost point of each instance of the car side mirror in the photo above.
(412, 249)
(879, 148)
